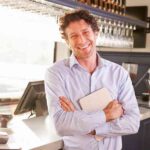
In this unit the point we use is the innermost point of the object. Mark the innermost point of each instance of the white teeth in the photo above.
(84, 47)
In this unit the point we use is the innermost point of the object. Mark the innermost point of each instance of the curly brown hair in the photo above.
(77, 15)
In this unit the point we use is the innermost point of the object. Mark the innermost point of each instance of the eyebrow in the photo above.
(86, 29)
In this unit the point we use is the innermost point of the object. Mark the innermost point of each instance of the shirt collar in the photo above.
(101, 61)
(73, 61)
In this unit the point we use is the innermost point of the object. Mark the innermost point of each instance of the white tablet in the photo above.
(95, 101)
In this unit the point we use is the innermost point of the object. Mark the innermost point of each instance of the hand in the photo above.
(113, 110)
(97, 137)
(92, 133)
(66, 104)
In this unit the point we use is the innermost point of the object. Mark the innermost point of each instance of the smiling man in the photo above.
(83, 73)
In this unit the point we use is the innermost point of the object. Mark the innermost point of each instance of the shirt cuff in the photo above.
(103, 130)
(98, 117)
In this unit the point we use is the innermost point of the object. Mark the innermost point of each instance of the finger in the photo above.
(65, 100)
(120, 109)
(68, 102)
(65, 106)
(68, 106)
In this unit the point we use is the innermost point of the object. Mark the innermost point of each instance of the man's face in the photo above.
(81, 39)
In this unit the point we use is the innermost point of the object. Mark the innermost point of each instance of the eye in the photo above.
(86, 32)
(74, 36)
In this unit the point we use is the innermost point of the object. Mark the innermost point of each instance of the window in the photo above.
(26, 49)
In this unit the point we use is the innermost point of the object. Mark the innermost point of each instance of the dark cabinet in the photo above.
(145, 135)
(140, 33)
(139, 141)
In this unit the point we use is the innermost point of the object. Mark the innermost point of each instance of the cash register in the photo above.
(33, 100)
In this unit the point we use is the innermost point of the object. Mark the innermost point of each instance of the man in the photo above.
(83, 73)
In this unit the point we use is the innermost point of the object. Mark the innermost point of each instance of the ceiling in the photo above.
(36, 6)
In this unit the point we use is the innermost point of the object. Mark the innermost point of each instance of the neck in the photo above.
(89, 64)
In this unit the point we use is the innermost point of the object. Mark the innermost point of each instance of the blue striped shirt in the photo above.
(68, 78)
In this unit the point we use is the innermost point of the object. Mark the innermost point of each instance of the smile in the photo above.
(85, 46)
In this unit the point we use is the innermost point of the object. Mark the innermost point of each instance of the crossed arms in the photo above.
(120, 117)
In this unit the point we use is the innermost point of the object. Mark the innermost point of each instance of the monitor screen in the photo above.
(33, 99)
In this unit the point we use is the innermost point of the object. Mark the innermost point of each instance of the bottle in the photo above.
(119, 7)
(104, 5)
(95, 3)
(116, 6)
(124, 7)
(110, 5)
(89, 2)
(100, 4)
(81, 1)
(113, 6)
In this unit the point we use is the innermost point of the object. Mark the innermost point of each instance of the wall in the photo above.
(142, 59)
(142, 3)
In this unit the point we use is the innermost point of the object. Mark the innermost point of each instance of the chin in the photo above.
(89, 53)
(86, 55)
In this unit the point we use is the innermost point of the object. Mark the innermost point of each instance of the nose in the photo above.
(81, 39)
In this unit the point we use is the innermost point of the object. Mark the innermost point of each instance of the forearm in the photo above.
(72, 123)
(127, 124)
(68, 123)
(78, 122)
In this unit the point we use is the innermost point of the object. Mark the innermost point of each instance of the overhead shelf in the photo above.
(99, 12)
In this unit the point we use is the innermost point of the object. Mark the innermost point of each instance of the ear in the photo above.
(69, 46)
(67, 43)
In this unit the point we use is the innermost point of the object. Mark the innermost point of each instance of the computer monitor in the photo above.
(33, 99)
